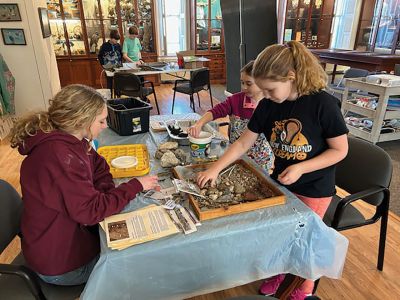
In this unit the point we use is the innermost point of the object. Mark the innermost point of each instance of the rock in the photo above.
(213, 196)
(181, 155)
(169, 160)
(224, 199)
(248, 196)
(212, 190)
(159, 154)
(239, 189)
(168, 146)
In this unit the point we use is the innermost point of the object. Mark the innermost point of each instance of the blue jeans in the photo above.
(75, 277)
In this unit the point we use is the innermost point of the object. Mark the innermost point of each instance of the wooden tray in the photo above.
(278, 199)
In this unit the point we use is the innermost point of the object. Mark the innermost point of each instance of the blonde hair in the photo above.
(276, 61)
(73, 108)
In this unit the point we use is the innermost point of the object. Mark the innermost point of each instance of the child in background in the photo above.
(132, 47)
(67, 186)
(304, 126)
(110, 54)
(240, 107)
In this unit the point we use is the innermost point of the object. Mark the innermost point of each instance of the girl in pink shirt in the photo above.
(240, 107)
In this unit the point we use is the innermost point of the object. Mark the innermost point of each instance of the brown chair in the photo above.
(16, 280)
(129, 84)
(199, 80)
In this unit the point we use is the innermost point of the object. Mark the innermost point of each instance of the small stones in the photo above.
(233, 187)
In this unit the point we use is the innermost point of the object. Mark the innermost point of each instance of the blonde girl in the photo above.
(66, 186)
(304, 127)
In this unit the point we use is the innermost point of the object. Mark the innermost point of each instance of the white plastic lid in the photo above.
(124, 162)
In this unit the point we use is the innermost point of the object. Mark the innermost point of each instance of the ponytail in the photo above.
(310, 76)
(29, 126)
(276, 61)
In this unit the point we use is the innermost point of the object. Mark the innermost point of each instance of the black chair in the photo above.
(365, 173)
(337, 90)
(130, 84)
(397, 69)
(199, 80)
(16, 280)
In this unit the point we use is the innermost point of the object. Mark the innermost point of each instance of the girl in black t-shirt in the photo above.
(304, 127)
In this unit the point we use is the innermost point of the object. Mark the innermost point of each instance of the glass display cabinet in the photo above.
(379, 27)
(80, 27)
(208, 36)
(309, 22)
(66, 28)
(208, 25)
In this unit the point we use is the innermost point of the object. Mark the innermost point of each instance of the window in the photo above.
(173, 26)
(345, 24)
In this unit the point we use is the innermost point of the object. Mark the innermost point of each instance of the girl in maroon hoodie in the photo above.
(67, 186)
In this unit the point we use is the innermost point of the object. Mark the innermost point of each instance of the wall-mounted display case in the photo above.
(379, 27)
(80, 27)
(309, 22)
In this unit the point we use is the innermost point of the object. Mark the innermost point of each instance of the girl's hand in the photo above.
(195, 130)
(209, 175)
(149, 183)
(290, 175)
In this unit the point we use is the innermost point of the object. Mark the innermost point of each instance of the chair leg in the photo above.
(173, 102)
(198, 98)
(316, 282)
(209, 88)
(192, 102)
(382, 236)
(155, 99)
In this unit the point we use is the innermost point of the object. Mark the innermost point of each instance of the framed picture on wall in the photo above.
(9, 12)
(44, 22)
(13, 36)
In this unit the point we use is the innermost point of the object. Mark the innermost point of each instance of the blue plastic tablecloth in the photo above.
(223, 253)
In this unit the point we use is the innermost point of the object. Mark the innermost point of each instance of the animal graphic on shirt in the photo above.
(288, 142)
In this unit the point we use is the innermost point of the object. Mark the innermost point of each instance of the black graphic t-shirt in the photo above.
(297, 131)
(110, 54)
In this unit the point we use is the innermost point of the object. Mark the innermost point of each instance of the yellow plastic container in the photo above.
(137, 150)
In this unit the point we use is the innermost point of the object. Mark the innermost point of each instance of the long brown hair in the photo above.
(276, 61)
(248, 68)
(73, 108)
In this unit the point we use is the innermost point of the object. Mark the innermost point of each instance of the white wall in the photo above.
(34, 66)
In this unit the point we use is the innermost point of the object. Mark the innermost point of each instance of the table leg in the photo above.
(333, 74)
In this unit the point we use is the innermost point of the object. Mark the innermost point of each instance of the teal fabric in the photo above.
(7, 89)
(132, 47)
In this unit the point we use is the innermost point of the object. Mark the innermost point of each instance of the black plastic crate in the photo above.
(128, 116)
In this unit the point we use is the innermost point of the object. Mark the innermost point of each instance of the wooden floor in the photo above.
(361, 279)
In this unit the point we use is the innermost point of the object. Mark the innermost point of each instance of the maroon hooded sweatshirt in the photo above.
(65, 187)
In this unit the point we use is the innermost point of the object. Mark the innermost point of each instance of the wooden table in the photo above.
(370, 61)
